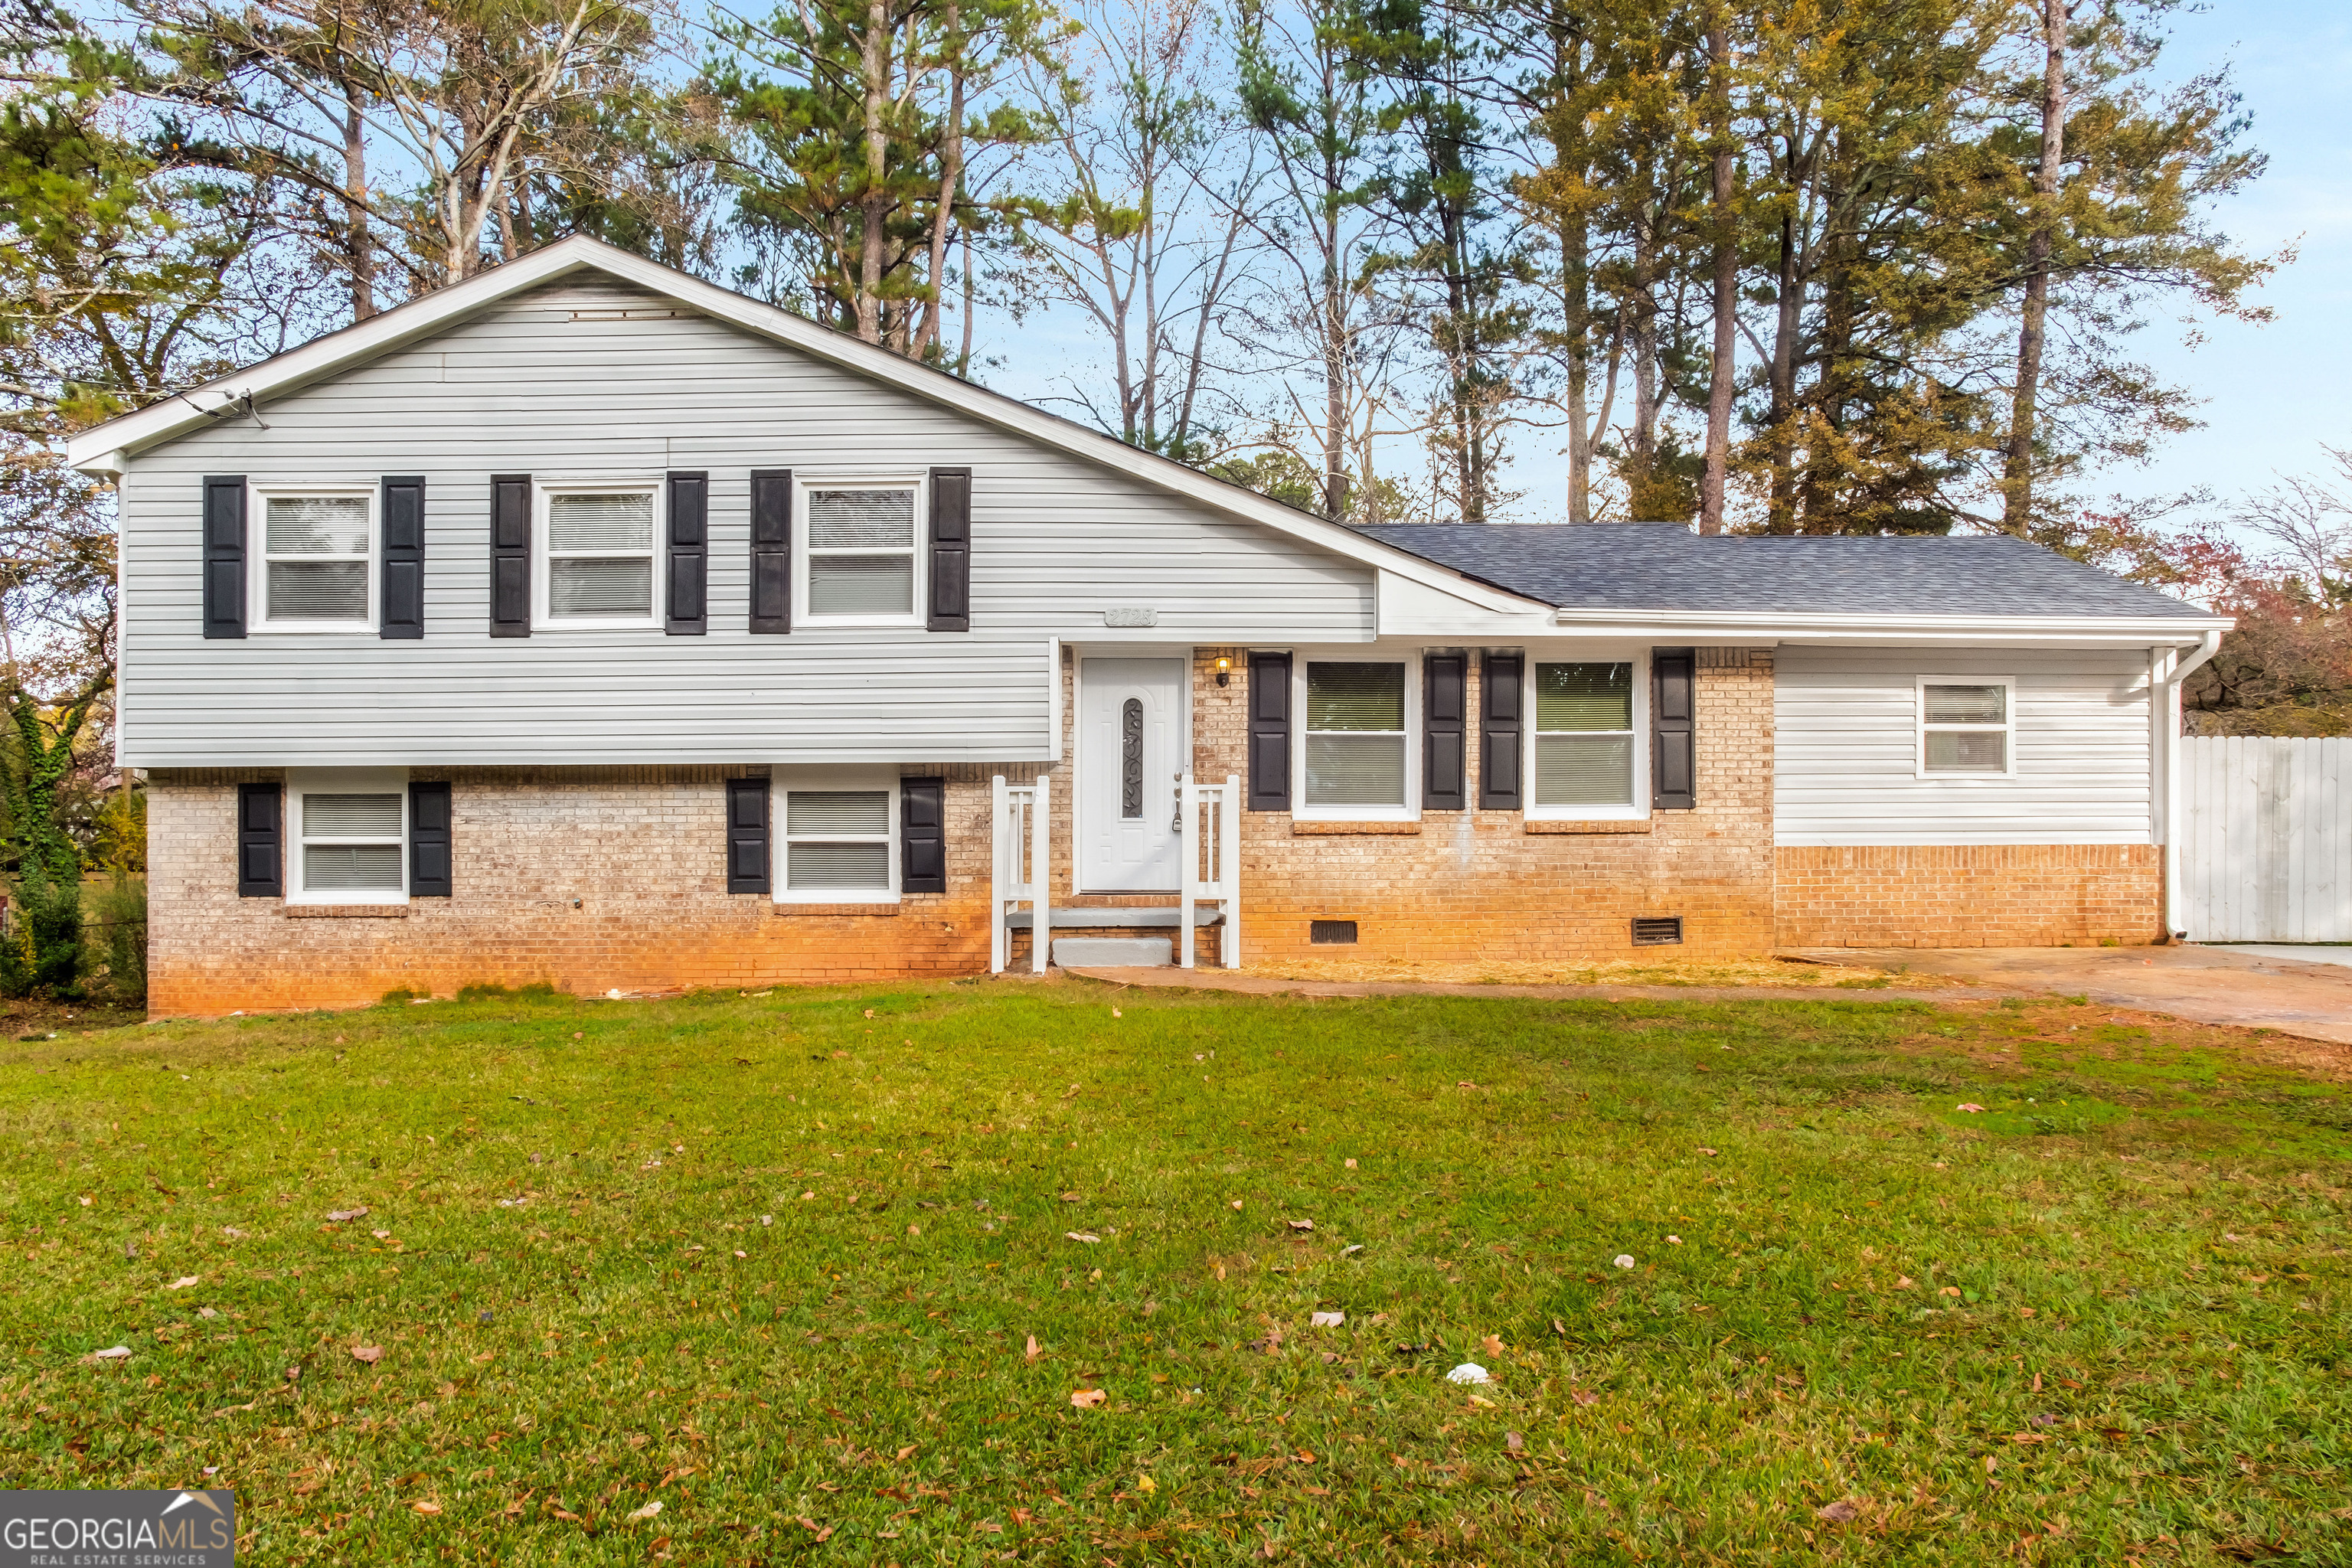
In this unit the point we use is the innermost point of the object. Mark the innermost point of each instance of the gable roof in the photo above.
(104, 448)
(1658, 566)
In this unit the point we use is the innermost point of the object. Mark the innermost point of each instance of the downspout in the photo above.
(2168, 702)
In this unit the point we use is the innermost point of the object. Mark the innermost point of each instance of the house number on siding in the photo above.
(1130, 758)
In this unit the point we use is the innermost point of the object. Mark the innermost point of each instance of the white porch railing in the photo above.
(1021, 817)
(1211, 867)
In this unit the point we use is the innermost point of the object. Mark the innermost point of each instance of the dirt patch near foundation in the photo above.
(1769, 971)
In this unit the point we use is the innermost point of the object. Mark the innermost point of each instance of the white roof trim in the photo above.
(105, 448)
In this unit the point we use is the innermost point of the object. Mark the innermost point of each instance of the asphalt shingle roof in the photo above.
(1656, 566)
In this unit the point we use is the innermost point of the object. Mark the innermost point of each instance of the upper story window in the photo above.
(1584, 735)
(860, 553)
(598, 553)
(1965, 726)
(840, 839)
(1355, 759)
(349, 832)
(315, 569)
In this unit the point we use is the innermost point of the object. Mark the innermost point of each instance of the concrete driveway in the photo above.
(2208, 984)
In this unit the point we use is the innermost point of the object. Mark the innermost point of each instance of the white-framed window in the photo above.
(836, 836)
(858, 558)
(595, 555)
(1357, 752)
(1968, 726)
(1587, 756)
(347, 835)
(314, 561)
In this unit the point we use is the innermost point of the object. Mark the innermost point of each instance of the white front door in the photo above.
(1130, 749)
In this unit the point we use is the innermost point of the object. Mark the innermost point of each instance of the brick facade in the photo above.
(1464, 885)
(1990, 895)
(596, 879)
(585, 878)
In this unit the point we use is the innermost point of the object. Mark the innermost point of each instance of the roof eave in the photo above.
(1702, 625)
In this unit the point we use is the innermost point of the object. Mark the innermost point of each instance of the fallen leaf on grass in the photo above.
(1300, 1224)
(1032, 1353)
(1709, 1153)
(648, 1512)
(1146, 1485)
(339, 1216)
(1971, 1108)
(112, 1352)
(1328, 1319)
(184, 1281)
(1088, 1399)
(1492, 1344)
(1081, 1236)
(905, 1453)
(427, 1508)
(1838, 1512)
(822, 1531)
(368, 1353)
(1237, 1206)
(1514, 1442)
(1584, 1396)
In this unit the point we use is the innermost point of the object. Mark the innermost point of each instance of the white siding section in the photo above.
(1845, 748)
(2266, 840)
(527, 389)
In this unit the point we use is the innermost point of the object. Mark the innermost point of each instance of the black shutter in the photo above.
(1444, 689)
(1673, 753)
(1269, 731)
(689, 554)
(922, 835)
(224, 557)
(404, 558)
(771, 551)
(1501, 698)
(428, 841)
(951, 549)
(746, 836)
(260, 852)
(511, 555)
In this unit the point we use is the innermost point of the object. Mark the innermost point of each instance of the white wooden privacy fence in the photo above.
(2265, 851)
(1020, 869)
(1211, 865)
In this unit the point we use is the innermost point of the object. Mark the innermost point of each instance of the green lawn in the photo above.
(774, 1263)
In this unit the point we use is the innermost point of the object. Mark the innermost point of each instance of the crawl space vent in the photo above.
(1333, 933)
(1658, 930)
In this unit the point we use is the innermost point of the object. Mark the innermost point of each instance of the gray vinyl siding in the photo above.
(1845, 748)
(525, 388)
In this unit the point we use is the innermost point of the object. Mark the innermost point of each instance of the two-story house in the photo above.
(587, 623)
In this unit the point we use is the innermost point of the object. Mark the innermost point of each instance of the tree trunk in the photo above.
(873, 61)
(1788, 323)
(1726, 270)
(950, 182)
(358, 240)
(2017, 477)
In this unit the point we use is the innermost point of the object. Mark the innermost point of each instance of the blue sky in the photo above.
(2270, 394)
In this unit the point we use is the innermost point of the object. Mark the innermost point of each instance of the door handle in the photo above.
(1176, 824)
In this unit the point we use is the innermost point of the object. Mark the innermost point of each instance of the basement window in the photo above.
(1965, 727)
(840, 840)
(1657, 930)
(349, 838)
(1331, 933)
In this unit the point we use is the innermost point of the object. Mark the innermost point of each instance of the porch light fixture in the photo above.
(1224, 669)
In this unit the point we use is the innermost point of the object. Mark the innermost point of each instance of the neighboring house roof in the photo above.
(1638, 566)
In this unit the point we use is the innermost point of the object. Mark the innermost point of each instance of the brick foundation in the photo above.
(1994, 895)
